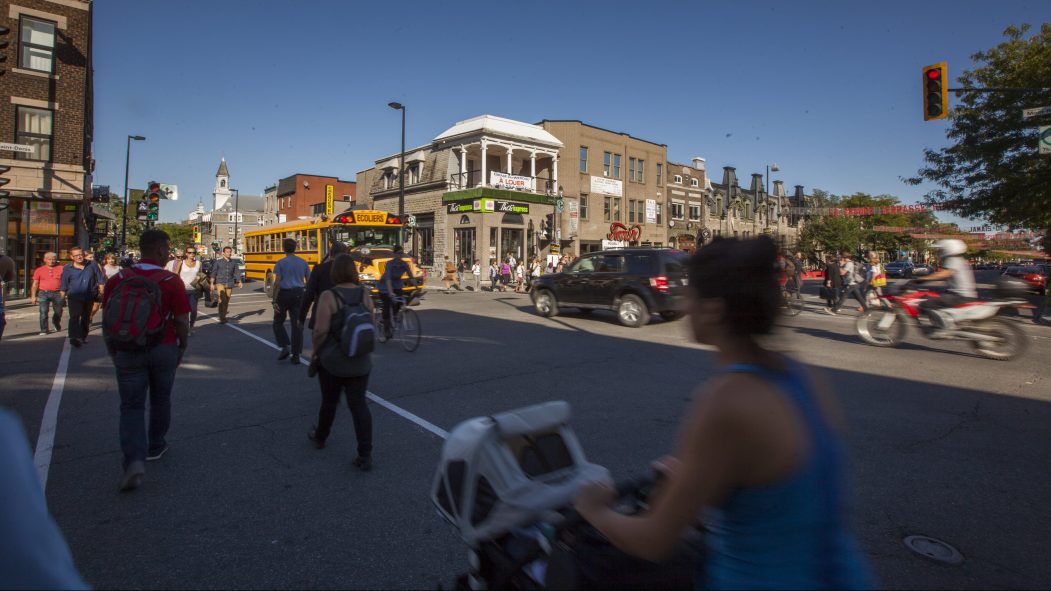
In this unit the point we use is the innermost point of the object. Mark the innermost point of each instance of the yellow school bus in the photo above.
(370, 236)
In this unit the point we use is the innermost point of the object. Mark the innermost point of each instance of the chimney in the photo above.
(779, 188)
(729, 178)
(757, 184)
(698, 163)
(798, 196)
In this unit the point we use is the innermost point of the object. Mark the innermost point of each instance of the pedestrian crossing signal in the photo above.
(935, 92)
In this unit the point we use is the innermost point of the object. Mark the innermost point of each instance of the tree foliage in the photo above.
(181, 235)
(838, 234)
(992, 169)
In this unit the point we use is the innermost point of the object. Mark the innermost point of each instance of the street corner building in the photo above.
(490, 187)
(46, 114)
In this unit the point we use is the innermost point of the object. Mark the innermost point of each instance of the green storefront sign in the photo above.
(487, 206)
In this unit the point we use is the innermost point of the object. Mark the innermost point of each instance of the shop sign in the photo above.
(613, 244)
(621, 233)
(574, 217)
(605, 186)
(462, 207)
(510, 181)
(488, 205)
(651, 211)
(510, 207)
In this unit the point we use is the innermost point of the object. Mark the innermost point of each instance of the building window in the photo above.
(695, 211)
(616, 209)
(676, 210)
(583, 207)
(606, 157)
(631, 211)
(693, 182)
(34, 129)
(660, 173)
(678, 179)
(631, 169)
(616, 166)
(607, 208)
(639, 175)
(660, 214)
(583, 158)
(37, 45)
(414, 173)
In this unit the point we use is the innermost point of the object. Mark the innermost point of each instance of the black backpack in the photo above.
(352, 325)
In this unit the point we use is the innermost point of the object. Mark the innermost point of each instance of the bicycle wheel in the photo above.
(407, 331)
(377, 321)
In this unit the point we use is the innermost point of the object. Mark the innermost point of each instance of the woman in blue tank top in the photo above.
(758, 457)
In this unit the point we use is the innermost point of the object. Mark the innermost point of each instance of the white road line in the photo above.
(45, 441)
(429, 426)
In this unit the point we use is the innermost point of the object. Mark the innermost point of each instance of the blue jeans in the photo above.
(151, 370)
(194, 297)
(55, 299)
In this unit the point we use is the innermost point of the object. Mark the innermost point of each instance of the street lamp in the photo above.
(769, 168)
(237, 195)
(401, 169)
(777, 212)
(124, 212)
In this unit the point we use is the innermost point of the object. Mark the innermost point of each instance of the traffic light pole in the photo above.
(124, 211)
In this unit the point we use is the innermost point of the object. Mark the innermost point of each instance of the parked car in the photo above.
(1034, 275)
(920, 270)
(633, 282)
(898, 269)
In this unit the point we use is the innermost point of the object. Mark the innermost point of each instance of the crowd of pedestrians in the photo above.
(503, 274)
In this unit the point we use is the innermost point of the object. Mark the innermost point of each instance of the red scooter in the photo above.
(975, 321)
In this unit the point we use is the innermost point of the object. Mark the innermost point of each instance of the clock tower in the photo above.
(221, 194)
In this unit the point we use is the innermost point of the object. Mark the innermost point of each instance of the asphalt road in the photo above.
(943, 443)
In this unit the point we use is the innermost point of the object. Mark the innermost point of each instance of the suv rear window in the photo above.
(643, 264)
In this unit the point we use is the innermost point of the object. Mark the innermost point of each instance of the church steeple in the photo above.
(221, 194)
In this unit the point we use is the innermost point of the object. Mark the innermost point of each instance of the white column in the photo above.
(532, 168)
(485, 179)
(554, 172)
(510, 151)
(463, 164)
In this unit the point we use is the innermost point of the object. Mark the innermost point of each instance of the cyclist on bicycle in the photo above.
(390, 285)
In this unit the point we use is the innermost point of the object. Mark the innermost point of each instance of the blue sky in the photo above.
(829, 90)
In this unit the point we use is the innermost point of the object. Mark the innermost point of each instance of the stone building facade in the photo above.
(46, 124)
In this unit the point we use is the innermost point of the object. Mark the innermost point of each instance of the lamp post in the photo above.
(237, 194)
(401, 170)
(124, 212)
(777, 212)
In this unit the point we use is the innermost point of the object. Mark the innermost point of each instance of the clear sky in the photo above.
(830, 90)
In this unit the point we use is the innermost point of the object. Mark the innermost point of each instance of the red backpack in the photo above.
(132, 318)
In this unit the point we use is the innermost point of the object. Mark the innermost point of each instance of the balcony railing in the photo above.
(533, 184)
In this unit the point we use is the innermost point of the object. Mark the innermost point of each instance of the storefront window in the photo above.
(464, 245)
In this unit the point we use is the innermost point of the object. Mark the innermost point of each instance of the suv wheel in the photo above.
(631, 311)
(546, 305)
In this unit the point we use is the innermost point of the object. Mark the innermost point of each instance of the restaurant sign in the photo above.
(621, 233)
(488, 205)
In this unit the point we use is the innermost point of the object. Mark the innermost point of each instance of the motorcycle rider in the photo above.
(959, 279)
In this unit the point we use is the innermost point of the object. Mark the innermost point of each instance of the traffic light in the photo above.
(548, 224)
(196, 235)
(935, 92)
(3, 181)
(153, 202)
(4, 32)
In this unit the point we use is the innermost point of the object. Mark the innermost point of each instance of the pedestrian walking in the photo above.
(449, 278)
(225, 275)
(505, 275)
(146, 350)
(833, 284)
(89, 259)
(109, 265)
(339, 374)
(520, 281)
(190, 271)
(476, 270)
(460, 270)
(853, 284)
(494, 275)
(290, 280)
(875, 280)
(7, 273)
(320, 281)
(759, 452)
(79, 288)
(47, 291)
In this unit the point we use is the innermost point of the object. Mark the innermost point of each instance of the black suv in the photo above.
(634, 282)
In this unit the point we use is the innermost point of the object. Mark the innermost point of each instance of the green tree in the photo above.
(135, 227)
(181, 234)
(992, 169)
(837, 234)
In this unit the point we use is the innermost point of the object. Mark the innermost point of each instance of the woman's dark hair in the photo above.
(743, 274)
(344, 270)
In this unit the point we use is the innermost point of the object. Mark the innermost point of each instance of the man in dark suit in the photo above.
(320, 281)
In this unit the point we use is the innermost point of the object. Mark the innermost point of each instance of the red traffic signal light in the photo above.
(935, 92)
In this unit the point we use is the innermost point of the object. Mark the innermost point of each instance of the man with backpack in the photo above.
(146, 325)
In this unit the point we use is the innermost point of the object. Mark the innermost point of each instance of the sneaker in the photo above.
(156, 455)
(363, 463)
(283, 354)
(44, 333)
(312, 435)
(829, 311)
(58, 325)
(132, 478)
(295, 360)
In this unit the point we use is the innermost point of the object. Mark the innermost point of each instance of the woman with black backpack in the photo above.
(338, 369)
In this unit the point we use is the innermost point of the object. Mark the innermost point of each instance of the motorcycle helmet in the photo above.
(950, 247)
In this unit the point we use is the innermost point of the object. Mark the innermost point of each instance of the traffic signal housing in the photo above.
(935, 91)
(3, 181)
(153, 202)
(548, 225)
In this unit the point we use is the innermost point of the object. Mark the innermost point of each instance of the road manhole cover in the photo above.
(933, 549)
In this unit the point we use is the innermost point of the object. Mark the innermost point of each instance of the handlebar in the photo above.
(637, 488)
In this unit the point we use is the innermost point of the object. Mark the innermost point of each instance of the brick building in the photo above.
(46, 114)
(303, 195)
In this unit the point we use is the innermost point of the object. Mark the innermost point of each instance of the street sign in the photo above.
(328, 200)
(16, 148)
(170, 191)
(560, 205)
(410, 221)
(1045, 139)
(1035, 112)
